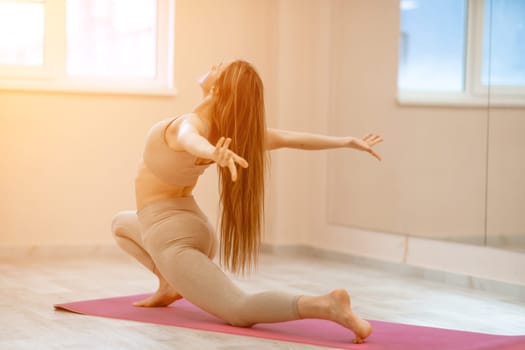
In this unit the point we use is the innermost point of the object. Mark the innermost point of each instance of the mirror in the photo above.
(504, 56)
(454, 163)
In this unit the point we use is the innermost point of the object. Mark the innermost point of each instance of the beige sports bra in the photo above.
(176, 168)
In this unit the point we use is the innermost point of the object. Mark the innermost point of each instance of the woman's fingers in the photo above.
(375, 140)
(240, 160)
(221, 150)
(231, 163)
(367, 137)
(219, 143)
(233, 169)
(375, 154)
(371, 140)
(217, 151)
(225, 157)
(226, 153)
(222, 144)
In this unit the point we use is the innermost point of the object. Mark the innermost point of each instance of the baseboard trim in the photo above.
(59, 251)
(395, 268)
(401, 269)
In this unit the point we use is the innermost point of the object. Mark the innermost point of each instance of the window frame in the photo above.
(52, 75)
(475, 93)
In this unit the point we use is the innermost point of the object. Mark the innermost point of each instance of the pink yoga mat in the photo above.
(385, 335)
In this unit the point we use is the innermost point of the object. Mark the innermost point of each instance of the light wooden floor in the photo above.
(31, 285)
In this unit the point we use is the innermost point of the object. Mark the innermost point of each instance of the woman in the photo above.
(171, 236)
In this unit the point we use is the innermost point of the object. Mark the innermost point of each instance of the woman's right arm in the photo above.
(186, 137)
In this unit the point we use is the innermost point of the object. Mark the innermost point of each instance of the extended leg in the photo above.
(180, 245)
(201, 282)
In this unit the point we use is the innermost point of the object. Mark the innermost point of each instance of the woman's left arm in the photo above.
(276, 138)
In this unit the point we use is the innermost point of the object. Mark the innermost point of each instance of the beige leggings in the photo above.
(175, 237)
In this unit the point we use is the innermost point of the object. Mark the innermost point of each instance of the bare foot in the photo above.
(341, 312)
(335, 306)
(164, 296)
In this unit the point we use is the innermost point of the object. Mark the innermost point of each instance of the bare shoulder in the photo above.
(189, 122)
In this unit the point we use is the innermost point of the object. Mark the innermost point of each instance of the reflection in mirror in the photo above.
(431, 182)
(504, 63)
(454, 169)
(504, 44)
(426, 47)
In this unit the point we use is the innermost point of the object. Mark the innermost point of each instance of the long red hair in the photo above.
(239, 113)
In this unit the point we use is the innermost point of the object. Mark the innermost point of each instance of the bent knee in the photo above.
(123, 223)
(117, 223)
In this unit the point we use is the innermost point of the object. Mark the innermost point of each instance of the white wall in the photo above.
(68, 160)
(431, 182)
(304, 53)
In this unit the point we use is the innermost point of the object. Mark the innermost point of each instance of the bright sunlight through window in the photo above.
(22, 33)
(111, 38)
(87, 45)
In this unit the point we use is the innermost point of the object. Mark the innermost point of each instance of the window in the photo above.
(87, 45)
(504, 43)
(462, 51)
(427, 46)
(21, 33)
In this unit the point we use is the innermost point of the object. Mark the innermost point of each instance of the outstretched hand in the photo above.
(225, 157)
(366, 143)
